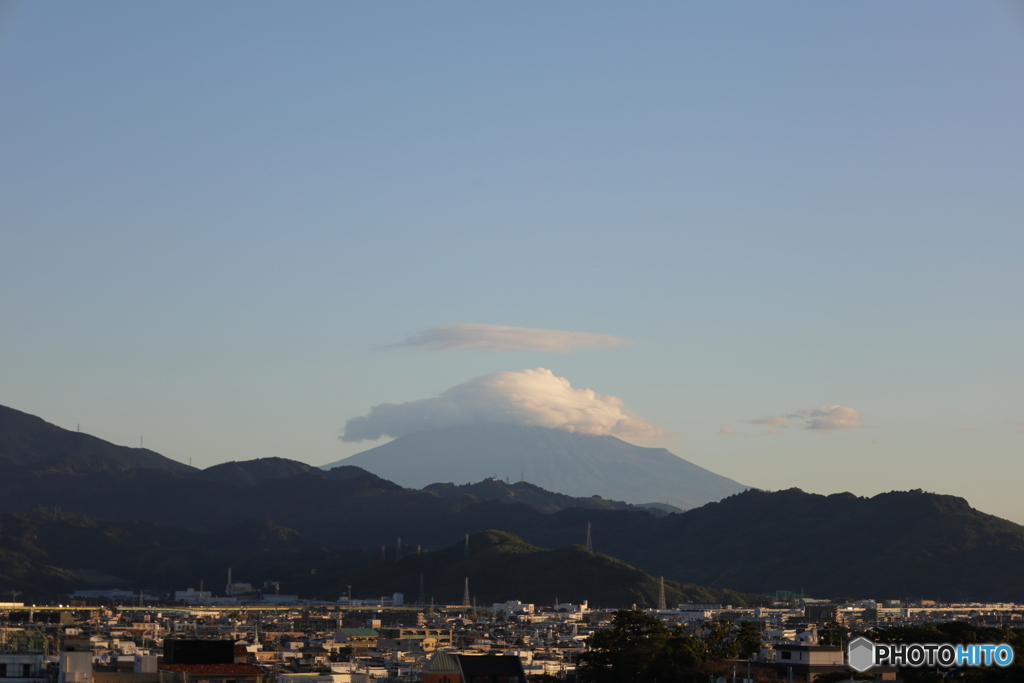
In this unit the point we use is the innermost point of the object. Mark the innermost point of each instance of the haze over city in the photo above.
(783, 241)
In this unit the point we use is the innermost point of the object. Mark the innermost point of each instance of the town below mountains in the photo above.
(81, 514)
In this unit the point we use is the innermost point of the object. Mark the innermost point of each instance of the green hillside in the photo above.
(896, 544)
(893, 545)
(48, 554)
(534, 496)
(501, 566)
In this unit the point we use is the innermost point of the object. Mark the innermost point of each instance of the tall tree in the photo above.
(638, 647)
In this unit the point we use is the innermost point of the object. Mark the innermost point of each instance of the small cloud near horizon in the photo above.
(533, 398)
(1018, 424)
(727, 431)
(775, 422)
(506, 339)
(826, 418)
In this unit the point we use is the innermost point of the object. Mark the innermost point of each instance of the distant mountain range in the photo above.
(168, 523)
(580, 465)
(39, 550)
(501, 566)
(538, 498)
(29, 441)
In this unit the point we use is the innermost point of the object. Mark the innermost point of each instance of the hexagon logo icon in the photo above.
(860, 654)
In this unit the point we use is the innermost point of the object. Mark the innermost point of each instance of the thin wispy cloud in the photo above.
(506, 339)
(727, 431)
(829, 418)
(776, 422)
(536, 398)
(825, 418)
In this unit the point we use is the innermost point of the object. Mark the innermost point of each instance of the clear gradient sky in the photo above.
(217, 220)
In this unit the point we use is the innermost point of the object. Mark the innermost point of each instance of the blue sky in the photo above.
(214, 215)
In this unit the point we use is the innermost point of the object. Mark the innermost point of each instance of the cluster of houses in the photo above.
(511, 642)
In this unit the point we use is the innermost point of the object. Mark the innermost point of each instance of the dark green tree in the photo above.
(677, 658)
(833, 633)
(719, 639)
(748, 640)
(639, 648)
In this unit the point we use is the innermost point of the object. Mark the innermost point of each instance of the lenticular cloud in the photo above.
(535, 398)
(505, 339)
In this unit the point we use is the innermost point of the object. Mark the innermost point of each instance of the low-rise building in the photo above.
(414, 639)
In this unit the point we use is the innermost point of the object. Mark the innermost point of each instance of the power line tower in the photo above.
(465, 552)
(590, 541)
(398, 549)
(422, 600)
(465, 593)
(383, 551)
(661, 595)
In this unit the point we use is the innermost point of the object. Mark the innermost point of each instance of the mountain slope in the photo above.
(46, 554)
(251, 472)
(899, 544)
(534, 496)
(502, 567)
(29, 441)
(894, 545)
(37, 550)
(580, 465)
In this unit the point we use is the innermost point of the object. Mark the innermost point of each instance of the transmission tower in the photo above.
(661, 595)
(465, 552)
(423, 593)
(398, 549)
(590, 542)
(465, 593)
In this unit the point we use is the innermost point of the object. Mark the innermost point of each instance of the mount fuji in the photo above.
(575, 464)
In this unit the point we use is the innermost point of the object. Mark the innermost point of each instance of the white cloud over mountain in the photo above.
(534, 397)
(505, 339)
